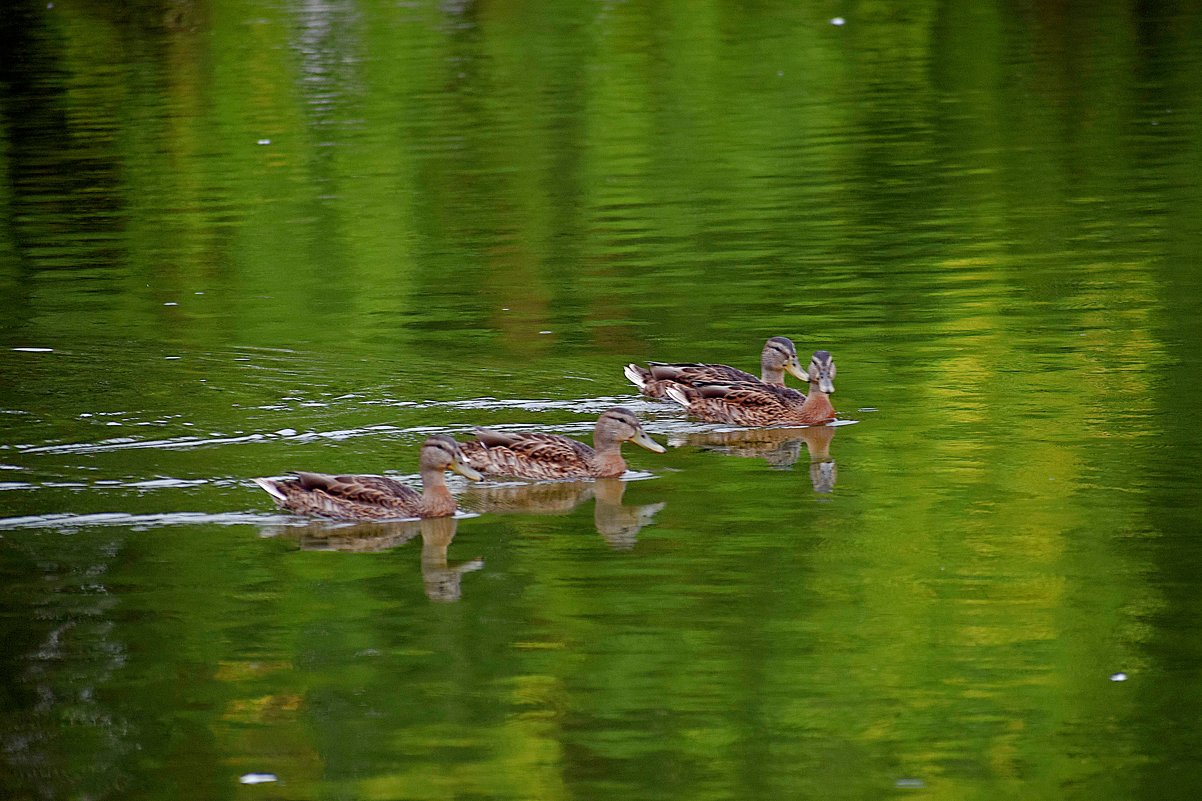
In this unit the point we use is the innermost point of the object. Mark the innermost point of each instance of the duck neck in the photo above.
(772, 375)
(436, 498)
(607, 457)
(818, 403)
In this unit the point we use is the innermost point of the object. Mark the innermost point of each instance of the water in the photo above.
(242, 238)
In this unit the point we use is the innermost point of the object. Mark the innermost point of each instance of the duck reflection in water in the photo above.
(441, 578)
(617, 523)
(780, 447)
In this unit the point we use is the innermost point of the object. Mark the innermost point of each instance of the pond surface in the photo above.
(239, 238)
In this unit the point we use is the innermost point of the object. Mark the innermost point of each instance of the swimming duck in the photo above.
(778, 357)
(376, 497)
(550, 456)
(758, 404)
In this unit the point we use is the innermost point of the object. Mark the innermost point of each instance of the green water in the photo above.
(244, 237)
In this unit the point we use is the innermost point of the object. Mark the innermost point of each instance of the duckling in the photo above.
(778, 357)
(551, 456)
(757, 404)
(356, 497)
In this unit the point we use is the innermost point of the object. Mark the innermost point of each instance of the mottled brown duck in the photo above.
(358, 497)
(748, 403)
(552, 456)
(778, 357)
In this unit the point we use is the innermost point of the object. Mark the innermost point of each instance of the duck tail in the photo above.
(637, 375)
(271, 488)
(677, 394)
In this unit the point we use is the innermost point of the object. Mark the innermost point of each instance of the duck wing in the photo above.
(785, 395)
(744, 393)
(760, 405)
(378, 491)
(691, 373)
(532, 455)
(749, 404)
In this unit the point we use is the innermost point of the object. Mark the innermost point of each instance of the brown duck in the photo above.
(357, 497)
(778, 357)
(748, 403)
(551, 456)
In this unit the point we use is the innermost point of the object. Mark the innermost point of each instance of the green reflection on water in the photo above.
(257, 237)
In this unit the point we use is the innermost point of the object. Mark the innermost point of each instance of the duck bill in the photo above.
(793, 368)
(467, 471)
(826, 385)
(643, 441)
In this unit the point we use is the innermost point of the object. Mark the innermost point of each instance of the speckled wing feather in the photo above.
(757, 404)
(349, 496)
(655, 381)
(742, 404)
(528, 455)
(694, 372)
(785, 395)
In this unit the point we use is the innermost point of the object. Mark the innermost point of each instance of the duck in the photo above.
(748, 403)
(537, 456)
(360, 497)
(778, 357)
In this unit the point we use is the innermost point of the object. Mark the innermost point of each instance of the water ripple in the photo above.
(590, 407)
(145, 521)
(124, 443)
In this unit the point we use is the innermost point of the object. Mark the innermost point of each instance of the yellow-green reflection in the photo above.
(245, 237)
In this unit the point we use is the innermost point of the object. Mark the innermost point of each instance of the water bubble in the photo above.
(837, 20)
(1119, 677)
